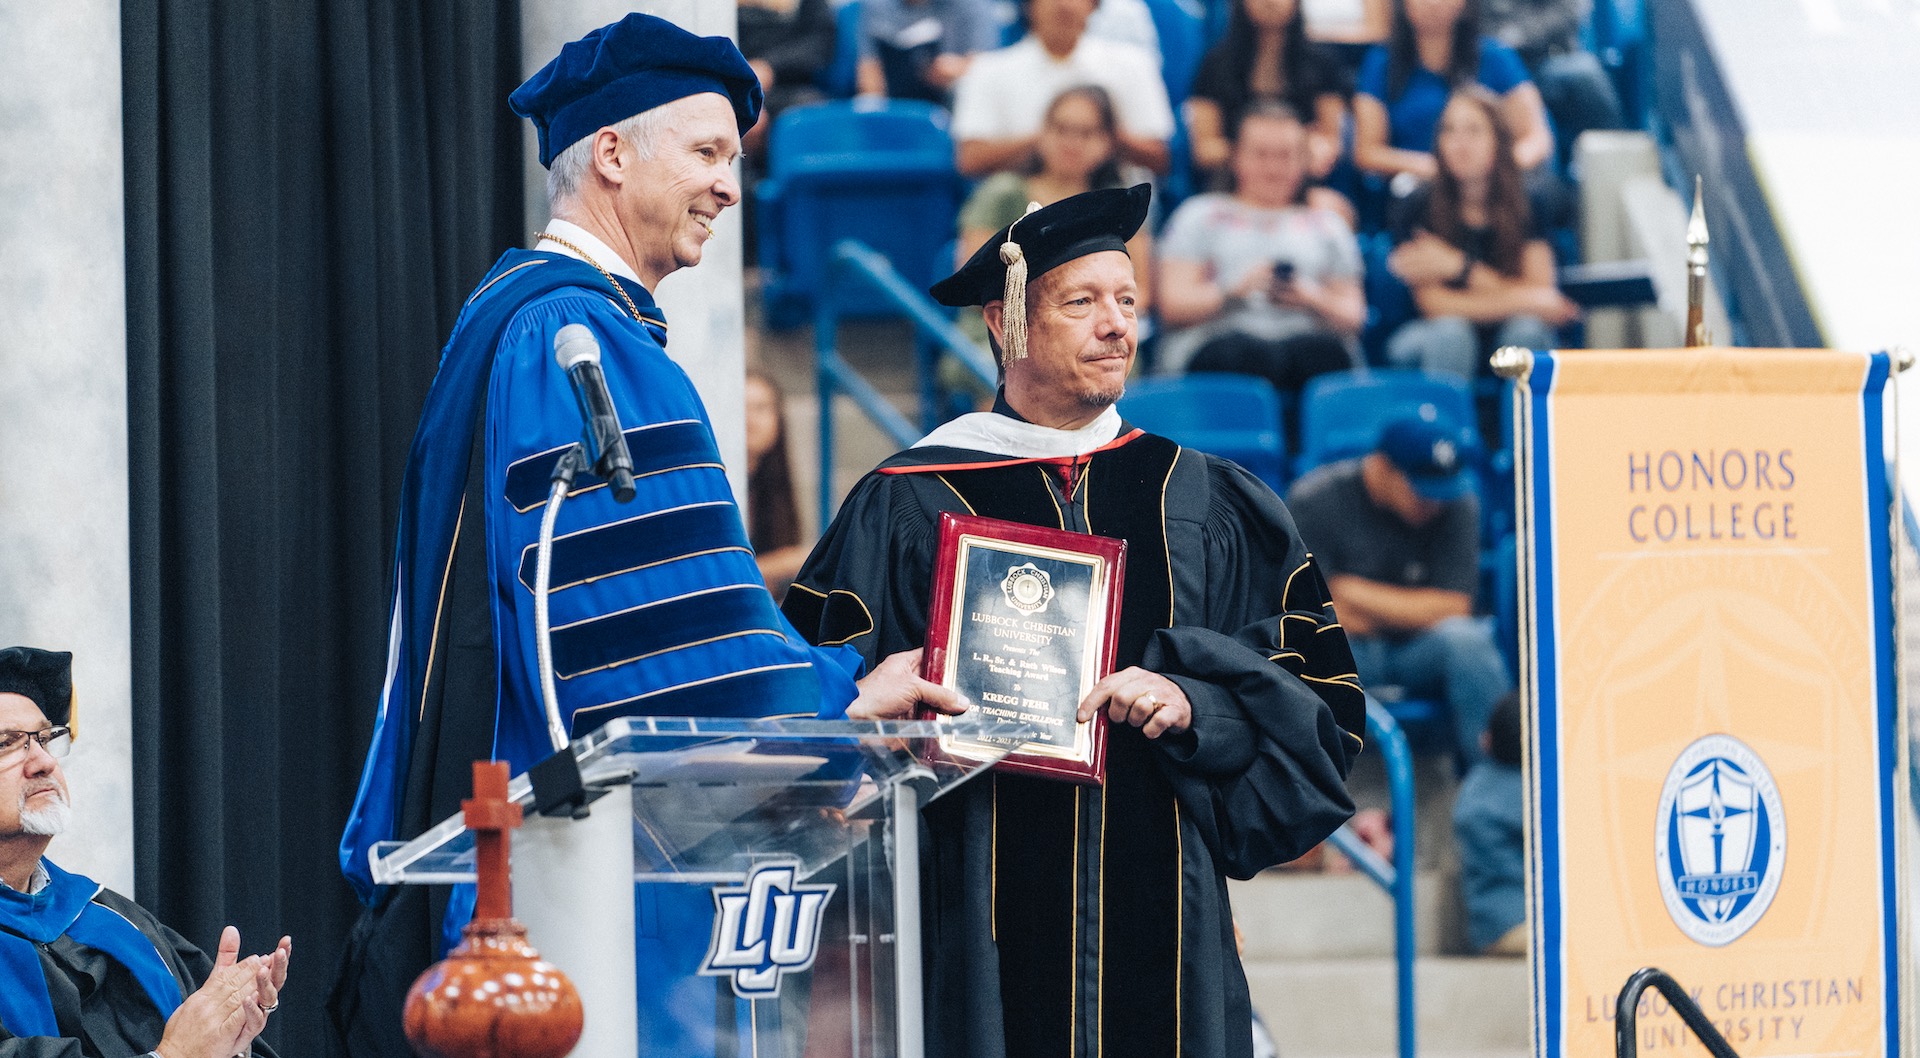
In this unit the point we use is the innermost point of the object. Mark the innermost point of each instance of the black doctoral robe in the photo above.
(1063, 921)
(101, 1009)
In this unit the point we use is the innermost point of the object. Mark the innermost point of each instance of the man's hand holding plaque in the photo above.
(1146, 700)
(895, 689)
(1023, 625)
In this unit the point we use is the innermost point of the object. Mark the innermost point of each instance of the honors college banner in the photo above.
(1716, 770)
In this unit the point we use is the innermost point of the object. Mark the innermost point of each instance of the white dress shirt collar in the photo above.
(589, 244)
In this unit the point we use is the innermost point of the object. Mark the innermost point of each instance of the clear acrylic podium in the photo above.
(735, 889)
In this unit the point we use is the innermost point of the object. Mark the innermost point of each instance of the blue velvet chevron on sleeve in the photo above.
(657, 606)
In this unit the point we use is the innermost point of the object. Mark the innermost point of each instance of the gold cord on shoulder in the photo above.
(584, 256)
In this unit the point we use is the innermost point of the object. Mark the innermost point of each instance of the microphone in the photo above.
(606, 446)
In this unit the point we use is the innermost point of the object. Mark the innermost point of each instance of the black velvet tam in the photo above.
(1048, 238)
(44, 676)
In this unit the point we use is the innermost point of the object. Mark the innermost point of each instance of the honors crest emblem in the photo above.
(763, 928)
(1720, 841)
(1028, 588)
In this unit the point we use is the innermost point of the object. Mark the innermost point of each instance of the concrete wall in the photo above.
(704, 304)
(63, 394)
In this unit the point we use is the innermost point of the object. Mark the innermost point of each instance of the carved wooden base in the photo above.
(493, 997)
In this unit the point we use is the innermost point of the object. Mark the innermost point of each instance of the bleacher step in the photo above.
(1344, 1008)
(1291, 915)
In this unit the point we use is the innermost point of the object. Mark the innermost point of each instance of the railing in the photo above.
(934, 333)
(1626, 1014)
(1396, 878)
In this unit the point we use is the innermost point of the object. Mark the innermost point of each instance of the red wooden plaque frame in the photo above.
(1016, 622)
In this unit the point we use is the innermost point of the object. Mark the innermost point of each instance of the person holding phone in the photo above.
(1256, 281)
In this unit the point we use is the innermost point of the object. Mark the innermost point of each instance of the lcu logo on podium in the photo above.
(766, 927)
(1721, 840)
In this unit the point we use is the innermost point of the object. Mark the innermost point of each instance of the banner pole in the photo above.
(1515, 364)
(1697, 333)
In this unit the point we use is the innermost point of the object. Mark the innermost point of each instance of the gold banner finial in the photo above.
(1513, 362)
(1697, 333)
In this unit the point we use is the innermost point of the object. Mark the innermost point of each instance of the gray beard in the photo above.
(46, 822)
(1106, 398)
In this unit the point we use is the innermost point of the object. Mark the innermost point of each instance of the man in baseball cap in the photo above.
(1398, 533)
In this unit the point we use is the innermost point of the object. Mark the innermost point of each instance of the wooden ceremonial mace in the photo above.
(1697, 333)
(493, 996)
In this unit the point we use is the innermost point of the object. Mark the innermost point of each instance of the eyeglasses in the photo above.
(55, 740)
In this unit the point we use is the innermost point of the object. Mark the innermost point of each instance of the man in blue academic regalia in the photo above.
(84, 970)
(657, 606)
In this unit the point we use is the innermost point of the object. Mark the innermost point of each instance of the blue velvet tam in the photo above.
(628, 68)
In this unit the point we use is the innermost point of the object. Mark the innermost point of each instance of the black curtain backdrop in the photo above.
(312, 187)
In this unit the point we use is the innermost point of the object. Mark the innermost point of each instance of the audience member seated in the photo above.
(1396, 533)
(788, 43)
(773, 511)
(84, 970)
(1077, 151)
(1404, 84)
(917, 49)
(1265, 57)
(1489, 821)
(1001, 101)
(1480, 271)
(1254, 281)
(1546, 35)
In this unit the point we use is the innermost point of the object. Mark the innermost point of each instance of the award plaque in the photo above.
(1024, 623)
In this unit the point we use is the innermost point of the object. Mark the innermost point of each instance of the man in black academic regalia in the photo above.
(83, 970)
(1067, 920)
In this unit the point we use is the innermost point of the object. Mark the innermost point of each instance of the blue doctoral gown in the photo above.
(657, 606)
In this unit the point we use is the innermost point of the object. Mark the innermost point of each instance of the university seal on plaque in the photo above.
(1028, 588)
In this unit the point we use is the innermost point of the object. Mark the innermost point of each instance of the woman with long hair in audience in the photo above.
(773, 511)
(1265, 56)
(1435, 48)
(1078, 151)
(1468, 249)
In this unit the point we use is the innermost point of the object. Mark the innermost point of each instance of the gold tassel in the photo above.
(1013, 315)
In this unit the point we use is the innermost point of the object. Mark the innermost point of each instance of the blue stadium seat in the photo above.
(1341, 414)
(1219, 12)
(1235, 416)
(1424, 721)
(877, 171)
(1183, 41)
(837, 78)
(1502, 580)
(1497, 517)
(1389, 302)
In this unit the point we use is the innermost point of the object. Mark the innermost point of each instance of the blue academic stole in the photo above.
(65, 907)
